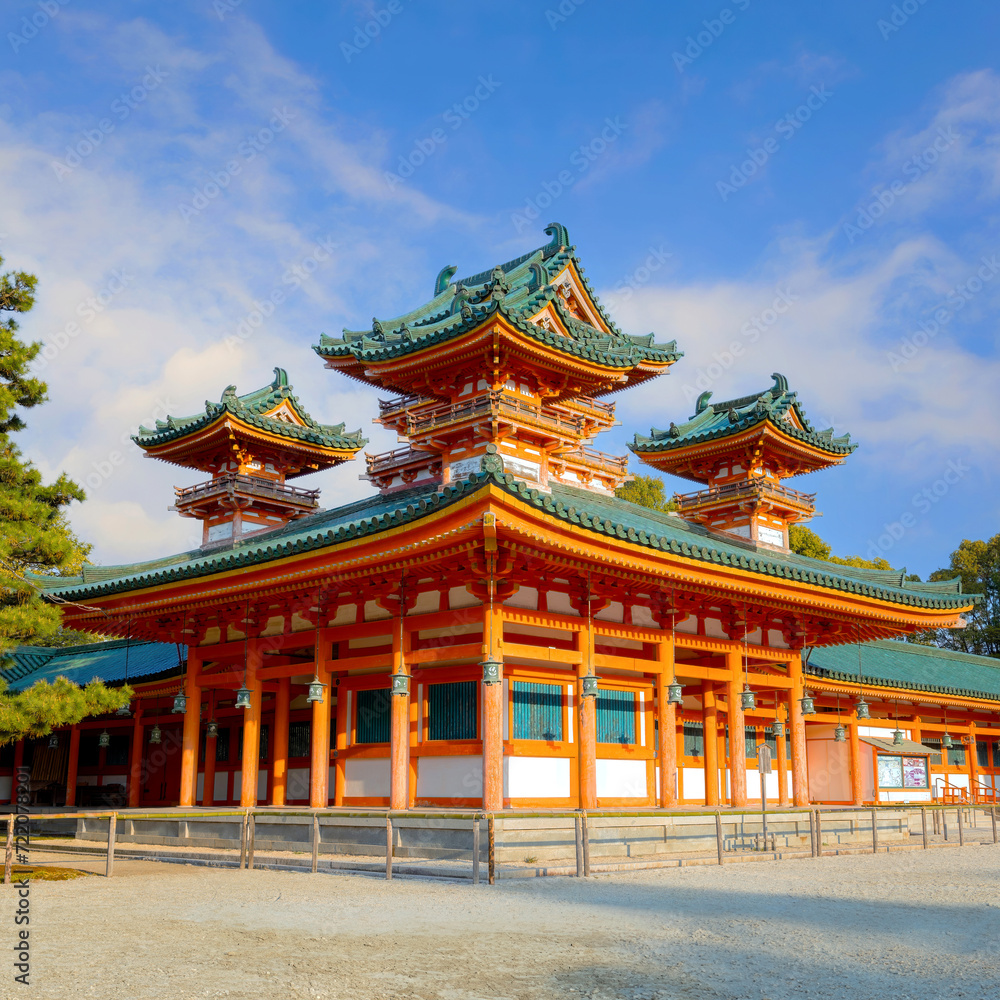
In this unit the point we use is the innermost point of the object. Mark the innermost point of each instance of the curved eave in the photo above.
(839, 680)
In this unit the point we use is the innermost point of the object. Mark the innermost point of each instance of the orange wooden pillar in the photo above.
(279, 766)
(319, 741)
(781, 746)
(399, 724)
(586, 723)
(343, 728)
(73, 766)
(800, 770)
(710, 732)
(737, 726)
(667, 723)
(135, 766)
(208, 778)
(250, 763)
(973, 759)
(857, 788)
(493, 709)
(192, 729)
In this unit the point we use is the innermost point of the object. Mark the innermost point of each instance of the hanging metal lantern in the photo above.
(315, 691)
(947, 742)
(104, 741)
(807, 706)
(747, 699)
(401, 683)
(180, 703)
(243, 697)
(861, 708)
(124, 712)
(589, 685)
(53, 741)
(897, 737)
(675, 694)
(840, 735)
(777, 729)
(212, 729)
(155, 736)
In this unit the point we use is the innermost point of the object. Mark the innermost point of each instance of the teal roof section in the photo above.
(579, 509)
(888, 663)
(517, 290)
(713, 421)
(251, 409)
(113, 662)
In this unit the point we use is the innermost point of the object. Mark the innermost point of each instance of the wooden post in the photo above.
(73, 765)
(961, 828)
(251, 838)
(493, 709)
(251, 726)
(710, 732)
(812, 833)
(993, 817)
(819, 834)
(475, 850)
(319, 741)
(874, 832)
(718, 835)
(112, 833)
(857, 789)
(208, 777)
(388, 846)
(491, 849)
(135, 760)
(8, 860)
(315, 845)
(192, 729)
(279, 765)
(578, 824)
(782, 755)
(944, 823)
(737, 740)
(800, 772)
(243, 838)
(923, 825)
(343, 727)
(667, 722)
(585, 832)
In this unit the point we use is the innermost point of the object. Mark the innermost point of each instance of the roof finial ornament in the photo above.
(560, 237)
(499, 285)
(443, 279)
(229, 393)
(702, 403)
(734, 417)
(280, 378)
(404, 332)
(780, 383)
(378, 331)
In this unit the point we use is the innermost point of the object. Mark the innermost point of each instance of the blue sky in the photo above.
(809, 189)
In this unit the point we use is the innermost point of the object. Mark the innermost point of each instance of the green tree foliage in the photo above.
(646, 491)
(35, 536)
(43, 707)
(806, 542)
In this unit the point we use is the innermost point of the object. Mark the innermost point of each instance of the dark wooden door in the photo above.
(162, 768)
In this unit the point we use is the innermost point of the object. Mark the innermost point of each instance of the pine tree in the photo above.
(646, 491)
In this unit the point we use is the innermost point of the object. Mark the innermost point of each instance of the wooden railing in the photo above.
(949, 794)
(594, 459)
(754, 486)
(495, 405)
(233, 483)
(393, 459)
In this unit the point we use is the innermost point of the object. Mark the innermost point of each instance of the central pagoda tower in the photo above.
(516, 357)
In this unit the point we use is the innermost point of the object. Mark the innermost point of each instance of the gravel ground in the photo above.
(897, 926)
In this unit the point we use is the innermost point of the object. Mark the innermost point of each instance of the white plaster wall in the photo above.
(558, 603)
(367, 777)
(614, 612)
(693, 783)
(459, 597)
(115, 779)
(297, 783)
(904, 795)
(200, 791)
(525, 597)
(449, 777)
(537, 777)
(221, 782)
(621, 779)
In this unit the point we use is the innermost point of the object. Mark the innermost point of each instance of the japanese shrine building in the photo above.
(494, 628)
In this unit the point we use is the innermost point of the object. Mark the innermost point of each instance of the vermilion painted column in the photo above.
(319, 745)
(782, 758)
(343, 724)
(667, 719)
(586, 724)
(973, 763)
(710, 731)
(208, 777)
(135, 766)
(73, 767)
(493, 709)
(857, 788)
(399, 730)
(192, 729)
(279, 767)
(737, 741)
(251, 729)
(800, 770)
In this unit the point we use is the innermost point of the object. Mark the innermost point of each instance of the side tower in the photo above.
(742, 449)
(251, 445)
(516, 357)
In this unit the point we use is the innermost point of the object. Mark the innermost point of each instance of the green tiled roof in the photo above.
(719, 420)
(515, 290)
(251, 408)
(581, 509)
(112, 662)
(887, 663)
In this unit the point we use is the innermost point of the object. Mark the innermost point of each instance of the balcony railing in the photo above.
(397, 403)
(492, 405)
(234, 484)
(395, 459)
(594, 459)
(755, 487)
